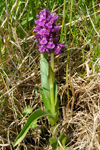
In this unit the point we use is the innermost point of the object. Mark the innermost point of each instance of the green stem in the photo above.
(52, 61)
(52, 98)
(52, 85)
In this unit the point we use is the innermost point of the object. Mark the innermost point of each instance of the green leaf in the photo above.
(44, 71)
(62, 139)
(54, 143)
(51, 79)
(33, 125)
(31, 120)
(55, 95)
(45, 99)
(45, 90)
(47, 80)
(27, 110)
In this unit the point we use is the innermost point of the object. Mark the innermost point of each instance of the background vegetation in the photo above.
(77, 72)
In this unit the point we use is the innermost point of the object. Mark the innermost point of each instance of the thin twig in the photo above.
(4, 145)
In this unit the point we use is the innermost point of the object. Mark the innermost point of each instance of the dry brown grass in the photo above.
(79, 116)
(79, 119)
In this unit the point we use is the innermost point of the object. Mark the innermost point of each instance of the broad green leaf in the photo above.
(44, 71)
(31, 120)
(45, 99)
(47, 81)
(45, 90)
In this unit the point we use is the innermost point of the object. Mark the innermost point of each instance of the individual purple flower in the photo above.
(58, 48)
(47, 32)
(42, 48)
(49, 25)
(51, 45)
(37, 36)
(43, 41)
(56, 29)
(37, 28)
(43, 32)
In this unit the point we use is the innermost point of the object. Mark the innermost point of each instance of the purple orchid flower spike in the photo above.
(47, 32)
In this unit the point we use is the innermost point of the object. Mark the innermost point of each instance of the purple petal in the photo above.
(56, 29)
(37, 28)
(43, 41)
(43, 32)
(49, 25)
(45, 12)
(38, 16)
(41, 23)
(58, 49)
(36, 21)
(52, 14)
(47, 50)
(38, 44)
(37, 35)
(42, 48)
(50, 45)
(55, 18)
(51, 39)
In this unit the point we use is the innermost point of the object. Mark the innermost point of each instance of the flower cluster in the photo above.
(47, 32)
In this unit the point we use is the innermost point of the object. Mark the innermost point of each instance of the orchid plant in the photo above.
(47, 36)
